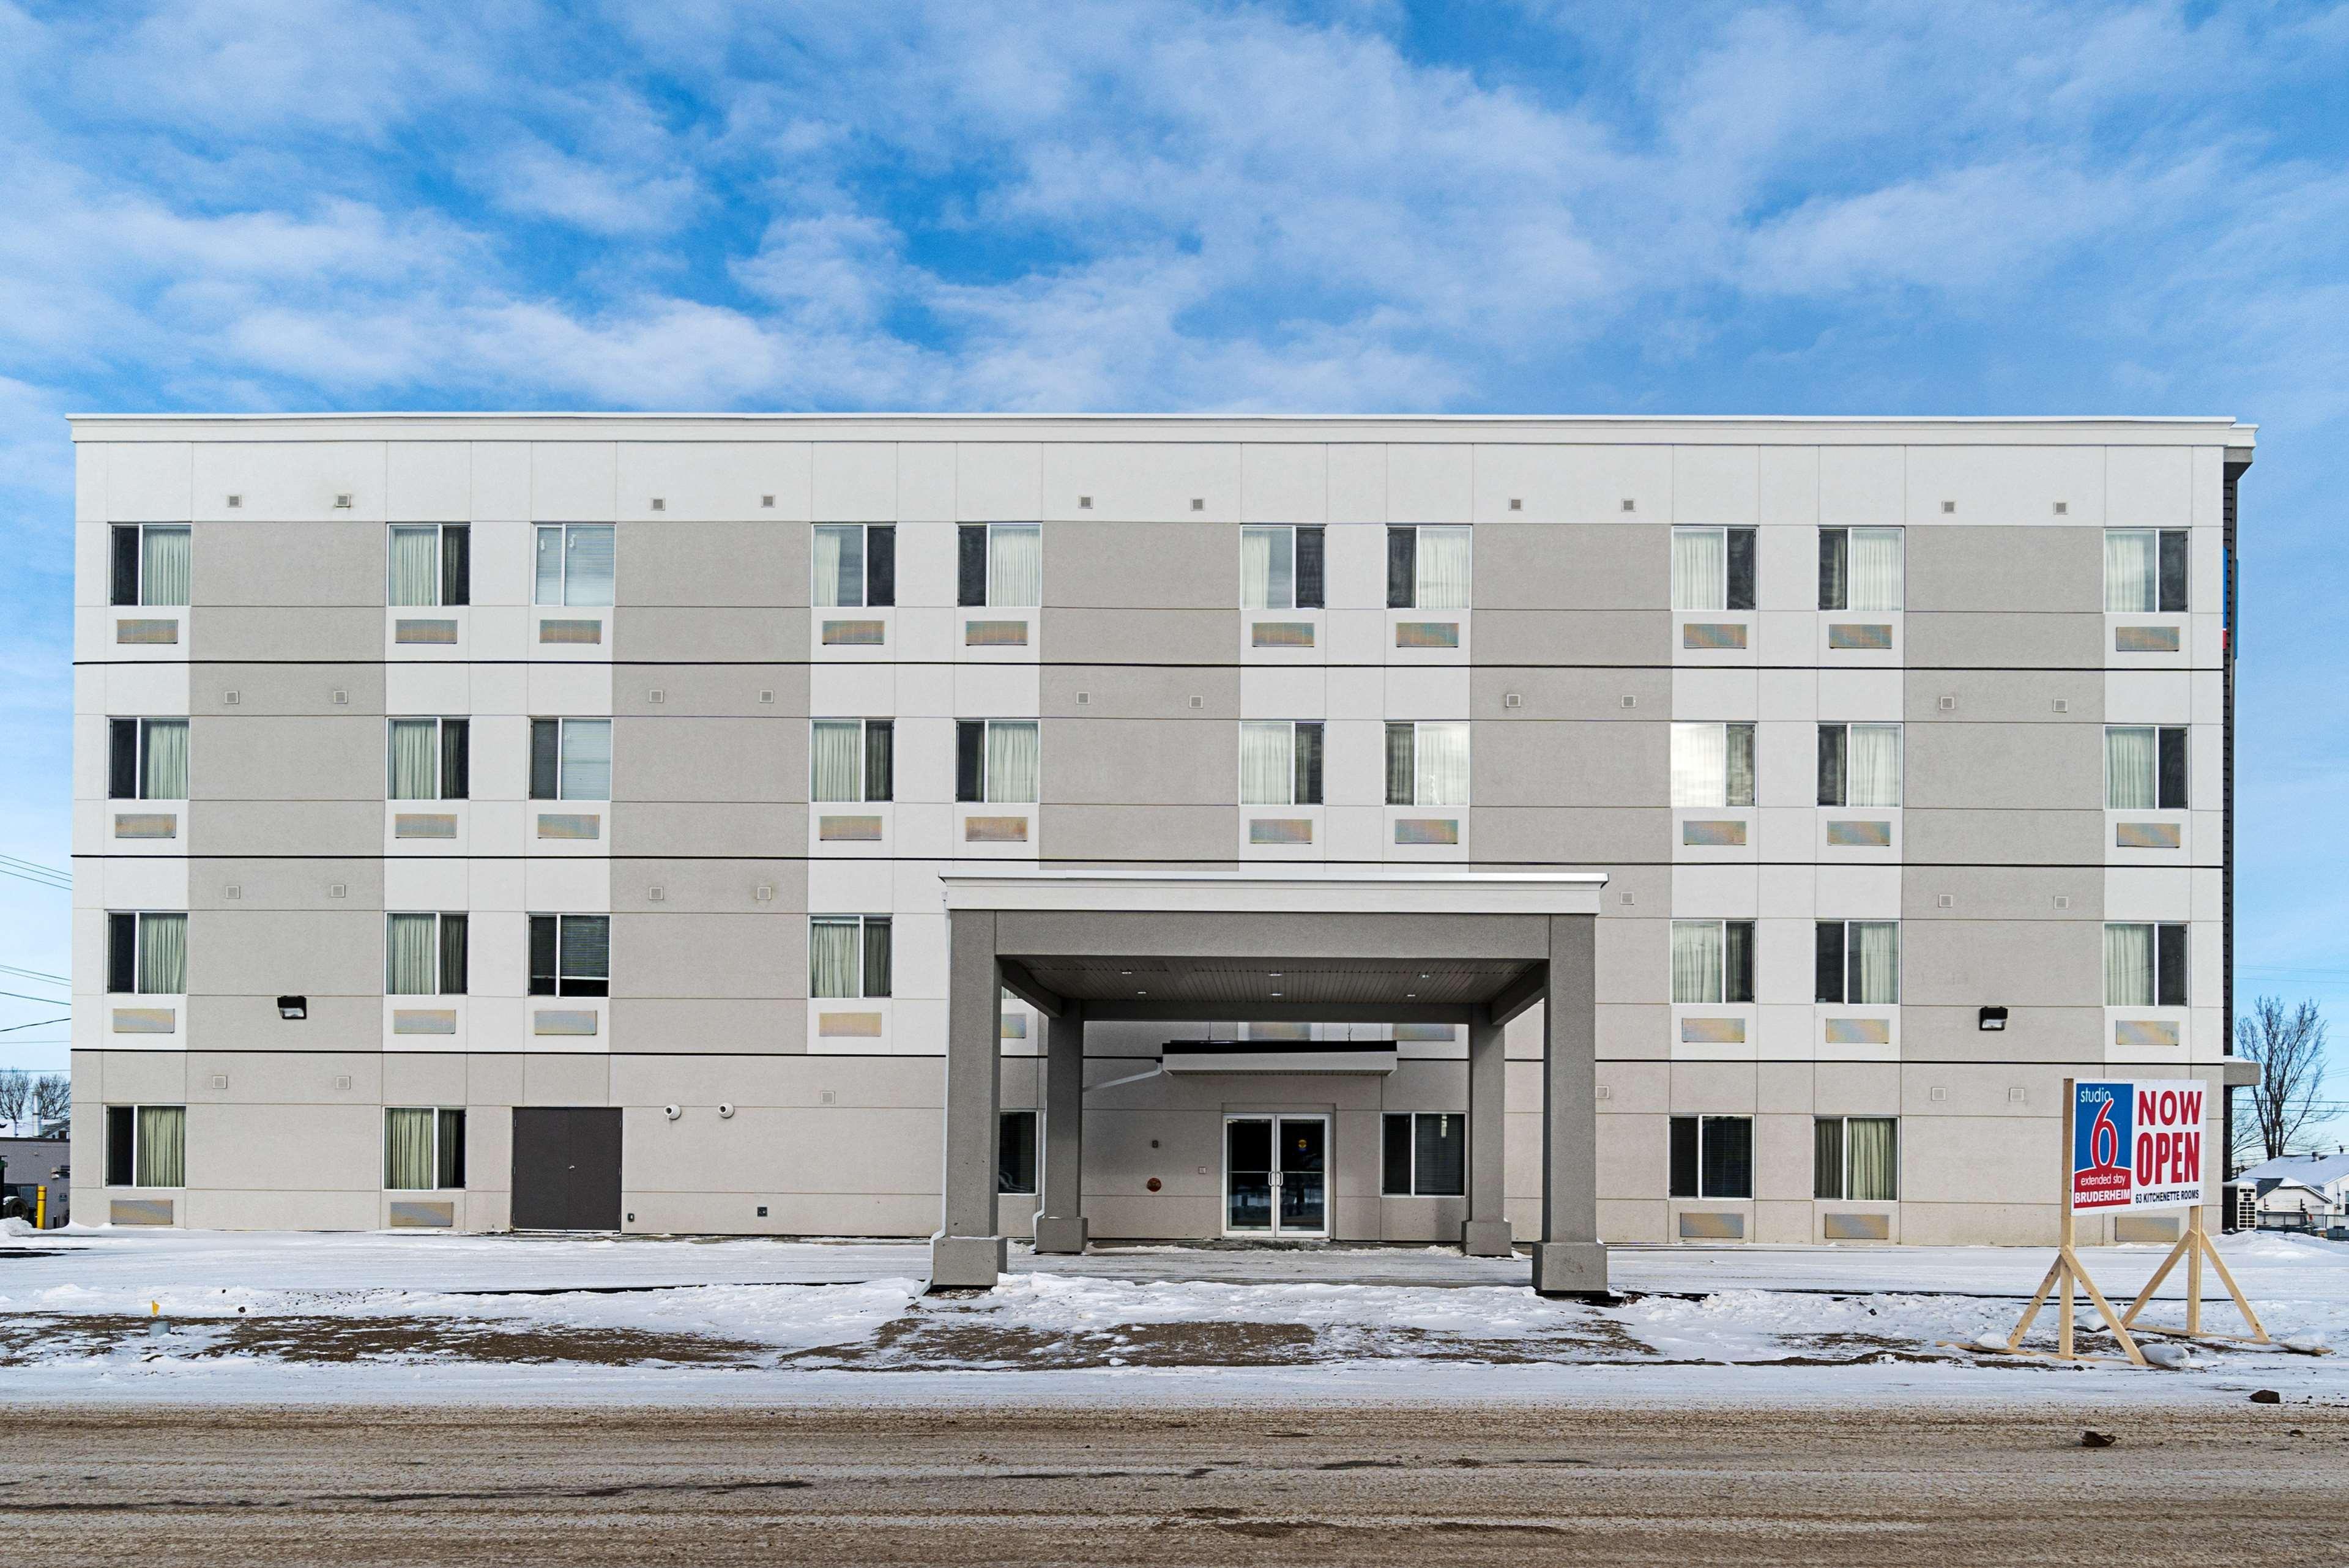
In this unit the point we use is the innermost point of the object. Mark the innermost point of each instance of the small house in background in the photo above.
(29, 1164)
(2296, 1193)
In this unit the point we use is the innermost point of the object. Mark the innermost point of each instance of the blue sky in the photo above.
(1867, 208)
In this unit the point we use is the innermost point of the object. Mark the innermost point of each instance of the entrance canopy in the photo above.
(1309, 945)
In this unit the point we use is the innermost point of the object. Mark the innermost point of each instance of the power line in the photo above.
(33, 974)
(52, 1001)
(40, 1024)
(31, 872)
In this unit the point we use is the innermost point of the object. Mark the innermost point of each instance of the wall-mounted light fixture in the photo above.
(1991, 1018)
(293, 1007)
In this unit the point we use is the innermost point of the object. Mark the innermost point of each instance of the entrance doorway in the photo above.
(1276, 1176)
(566, 1168)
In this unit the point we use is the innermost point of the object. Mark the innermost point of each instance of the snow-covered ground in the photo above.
(100, 1312)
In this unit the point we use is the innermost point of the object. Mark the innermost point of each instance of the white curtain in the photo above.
(587, 563)
(163, 956)
(1874, 963)
(1872, 764)
(1443, 566)
(410, 944)
(1015, 565)
(837, 762)
(1267, 762)
(2129, 768)
(586, 758)
(2131, 570)
(162, 1146)
(407, 1163)
(414, 775)
(1268, 568)
(2129, 965)
(1700, 569)
(834, 959)
(415, 566)
(163, 773)
(164, 566)
(1875, 569)
(1872, 1158)
(828, 542)
(547, 581)
(1696, 961)
(1011, 761)
(1443, 764)
(1700, 764)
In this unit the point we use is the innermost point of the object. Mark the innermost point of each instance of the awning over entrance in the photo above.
(1328, 946)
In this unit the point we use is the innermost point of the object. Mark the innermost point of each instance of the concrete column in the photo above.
(1486, 1234)
(967, 1253)
(1569, 1259)
(1060, 1222)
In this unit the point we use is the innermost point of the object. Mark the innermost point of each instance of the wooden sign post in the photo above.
(2194, 1246)
(2067, 1270)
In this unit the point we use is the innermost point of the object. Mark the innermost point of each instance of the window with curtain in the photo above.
(996, 761)
(1014, 1152)
(2144, 965)
(1425, 1154)
(2146, 570)
(1712, 764)
(1427, 764)
(1861, 568)
(854, 565)
(425, 954)
(146, 954)
(574, 564)
(429, 759)
(1712, 568)
(1713, 960)
(1001, 566)
(147, 758)
(1267, 762)
(1859, 765)
(1280, 567)
(1859, 963)
(570, 954)
(423, 1148)
(849, 956)
(1428, 568)
(430, 564)
(570, 758)
(1711, 1156)
(852, 759)
(162, 1146)
(151, 563)
(2145, 767)
(1856, 1159)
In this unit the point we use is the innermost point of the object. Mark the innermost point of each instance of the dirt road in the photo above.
(169, 1484)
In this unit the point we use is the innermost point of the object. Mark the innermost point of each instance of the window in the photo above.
(1280, 762)
(2145, 767)
(1859, 569)
(147, 758)
(1713, 960)
(855, 565)
(1014, 1152)
(570, 758)
(1712, 1156)
(430, 565)
(1000, 564)
(1859, 765)
(2145, 965)
(570, 954)
(1427, 568)
(151, 563)
(848, 955)
(1427, 764)
(1280, 568)
(995, 759)
(1859, 963)
(423, 1148)
(1713, 765)
(852, 759)
(146, 954)
(424, 954)
(146, 1145)
(2144, 570)
(1856, 1159)
(1712, 568)
(1426, 1154)
(574, 564)
(430, 758)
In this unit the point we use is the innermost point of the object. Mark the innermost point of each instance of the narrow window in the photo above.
(838, 558)
(1402, 568)
(450, 1152)
(1401, 765)
(574, 564)
(970, 565)
(456, 758)
(1712, 764)
(456, 563)
(1309, 764)
(2169, 965)
(835, 760)
(1830, 965)
(1268, 568)
(415, 567)
(570, 955)
(1014, 1152)
(2171, 788)
(2174, 574)
(1267, 762)
(1310, 591)
(970, 760)
(880, 758)
(125, 574)
(121, 955)
(123, 759)
(1685, 1166)
(1832, 738)
(1725, 1156)
(121, 1145)
(849, 956)
(1835, 569)
(1827, 1158)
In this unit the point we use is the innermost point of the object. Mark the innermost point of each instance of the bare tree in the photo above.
(52, 1096)
(16, 1094)
(2289, 1050)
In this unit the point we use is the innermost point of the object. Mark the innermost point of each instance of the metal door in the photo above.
(566, 1168)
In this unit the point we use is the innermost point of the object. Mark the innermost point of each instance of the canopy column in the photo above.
(1486, 1234)
(1569, 1259)
(967, 1253)
(1061, 1222)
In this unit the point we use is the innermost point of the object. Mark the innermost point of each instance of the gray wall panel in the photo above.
(2006, 696)
(2033, 964)
(699, 1025)
(1584, 566)
(277, 691)
(713, 691)
(1126, 691)
(747, 956)
(1595, 695)
(661, 634)
(233, 828)
(689, 759)
(1599, 764)
(268, 952)
(1138, 834)
(1572, 637)
(1140, 636)
(1154, 565)
(1162, 762)
(1996, 640)
(2004, 893)
(740, 564)
(335, 1024)
(1961, 566)
(718, 875)
(312, 634)
(286, 758)
(2002, 838)
(1584, 837)
(319, 563)
(2007, 766)
(279, 883)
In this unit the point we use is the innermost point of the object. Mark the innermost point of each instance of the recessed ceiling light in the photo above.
(1409, 993)
(1424, 976)
(1273, 975)
(1142, 992)
(1125, 971)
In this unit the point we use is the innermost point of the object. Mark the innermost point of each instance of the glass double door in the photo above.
(1276, 1175)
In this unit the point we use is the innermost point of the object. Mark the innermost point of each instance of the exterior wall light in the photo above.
(293, 1007)
(1992, 1019)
